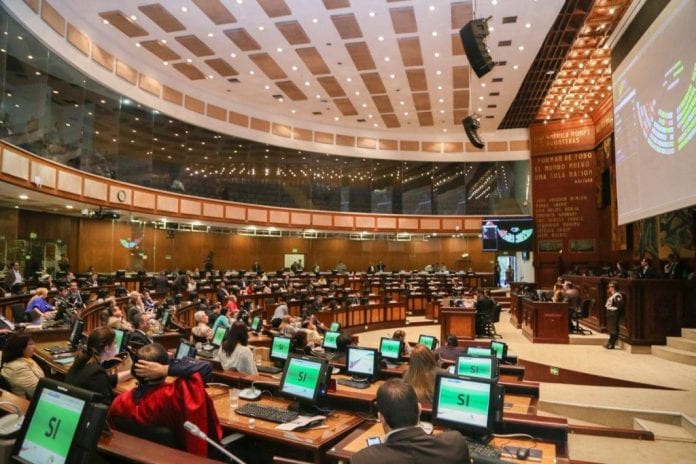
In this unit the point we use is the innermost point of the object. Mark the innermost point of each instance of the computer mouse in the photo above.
(522, 454)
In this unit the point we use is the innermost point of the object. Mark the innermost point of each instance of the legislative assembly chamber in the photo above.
(334, 231)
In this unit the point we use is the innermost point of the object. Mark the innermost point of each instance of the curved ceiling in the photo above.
(377, 66)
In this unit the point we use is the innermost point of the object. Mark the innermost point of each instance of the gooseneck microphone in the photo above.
(197, 432)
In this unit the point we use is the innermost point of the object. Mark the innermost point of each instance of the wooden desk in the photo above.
(458, 321)
(314, 441)
(545, 322)
(357, 440)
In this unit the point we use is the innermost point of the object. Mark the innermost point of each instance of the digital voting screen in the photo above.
(427, 340)
(302, 378)
(390, 348)
(475, 367)
(280, 348)
(330, 340)
(52, 429)
(464, 402)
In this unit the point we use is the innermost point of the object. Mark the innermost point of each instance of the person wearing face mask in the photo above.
(87, 371)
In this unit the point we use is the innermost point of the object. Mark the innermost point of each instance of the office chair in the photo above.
(581, 312)
(18, 313)
(158, 434)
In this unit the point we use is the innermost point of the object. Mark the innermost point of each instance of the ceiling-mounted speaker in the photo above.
(471, 127)
(473, 36)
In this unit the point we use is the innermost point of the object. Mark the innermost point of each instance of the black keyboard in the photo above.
(268, 413)
(58, 349)
(353, 383)
(480, 450)
(269, 369)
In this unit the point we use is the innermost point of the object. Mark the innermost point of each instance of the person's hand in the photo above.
(150, 370)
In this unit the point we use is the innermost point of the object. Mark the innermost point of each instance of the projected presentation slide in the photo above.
(390, 348)
(302, 378)
(655, 117)
(361, 361)
(52, 428)
(474, 367)
(463, 402)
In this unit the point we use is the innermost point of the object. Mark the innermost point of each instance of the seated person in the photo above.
(421, 372)
(299, 343)
(87, 371)
(202, 329)
(116, 320)
(342, 343)
(485, 308)
(451, 350)
(406, 442)
(280, 312)
(401, 335)
(235, 353)
(140, 335)
(38, 308)
(18, 367)
(222, 320)
(154, 402)
(288, 326)
(313, 337)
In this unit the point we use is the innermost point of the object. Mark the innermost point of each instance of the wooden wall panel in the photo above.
(144, 199)
(95, 189)
(15, 164)
(68, 182)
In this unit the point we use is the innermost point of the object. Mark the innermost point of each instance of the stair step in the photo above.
(663, 431)
(682, 343)
(689, 333)
(676, 355)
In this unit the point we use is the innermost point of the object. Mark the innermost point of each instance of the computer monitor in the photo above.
(428, 340)
(485, 367)
(121, 340)
(390, 349)
(330, 339)
(500, 349)
(165, 318)
(468, 404)
(480, 351)
(185, 350)
(335, 327)
(362, 363)
(302, 379)
(280, 348)
(218, 336)
(62, 425)
(76, 333)
(255, 324)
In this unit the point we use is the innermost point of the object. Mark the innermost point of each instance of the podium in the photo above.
(458, 321)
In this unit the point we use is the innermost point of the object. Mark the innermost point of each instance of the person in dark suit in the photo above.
(406, 442)
(13, 278)
(161, 283)
(646, 270)
(139, 337)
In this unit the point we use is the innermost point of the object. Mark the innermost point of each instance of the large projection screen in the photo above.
(655, 117)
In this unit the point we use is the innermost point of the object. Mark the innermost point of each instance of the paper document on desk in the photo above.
(301, 422)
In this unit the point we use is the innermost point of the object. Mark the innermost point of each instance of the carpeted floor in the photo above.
(599, 405)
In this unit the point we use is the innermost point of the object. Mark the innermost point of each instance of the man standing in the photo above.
(13, 279)
(614, 306)
(405, 441)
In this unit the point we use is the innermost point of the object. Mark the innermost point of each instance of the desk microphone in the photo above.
(195, 431)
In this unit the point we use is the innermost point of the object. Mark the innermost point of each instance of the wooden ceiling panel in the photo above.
(425, 118)
(333, 4)
(123, 23)
(189, 70)
(360, 53)
(460, 77)
(222, 67)
(293, 32)
(194, 45)
(462, 13)
(331, 86)
(347, 26)
(390, 120)
(268, 65)
(313, 60)
(458, 115)
(457, 46)
(162, 17)
(216, 11)
(274, 8)
(417, 80)
(410, 51)
(461, 99)
(373, 82)
(291, 90)
(383, 103)
(403, 20)
(242, 39)
(421, 101)
(345, 106)
(160, 50)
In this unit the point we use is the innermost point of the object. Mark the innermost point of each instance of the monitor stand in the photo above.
(303, 409)
(360, 379)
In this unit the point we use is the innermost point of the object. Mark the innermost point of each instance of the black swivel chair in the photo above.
(18, 313)
(581, 312)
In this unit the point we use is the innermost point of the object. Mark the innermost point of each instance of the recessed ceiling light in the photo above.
(483, 84)
(520, 48)
(31, 57)
(349, 79)
(166, 63)
(386, 58)
(494, 2)
(69, 206)
(105, 21)
(335, 118)
(405, 113)
(261, 28)
(294, 68)
(251, 72)
(279, 50)
(294, 111)
(393, 76)
(528, 25)
(56, 92)
(441, 100)
(233, 55)
(357, 92)
(515, 67)
(138, 45)
(189, 60)
(210, 34)
(401, 102)
(184, 9)
(306, 83)
(437, 54)
(318, 96)
(380, 38)
(240, 1)
(439, 87)
(315, 20)
(372, 14)
(375, 125)
(434, 33)
(444, 130)
(133, 17)
(364, 105)
(491, 28)
(431, 7)
(23, 197)
(481, 97)
(164, 41)
(442, 111)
